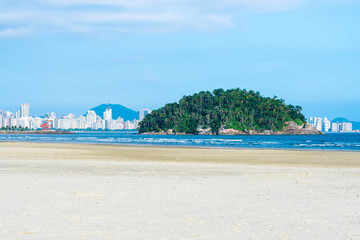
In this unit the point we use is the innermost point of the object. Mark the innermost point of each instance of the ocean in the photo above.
(331, 141)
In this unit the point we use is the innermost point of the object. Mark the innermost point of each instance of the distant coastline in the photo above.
(36, 132)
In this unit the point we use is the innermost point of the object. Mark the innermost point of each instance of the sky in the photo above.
(71, 55)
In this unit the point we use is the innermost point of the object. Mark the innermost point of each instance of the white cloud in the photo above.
(99, 17)
(84, 16)
(233, 5)
(142, 4)
(15, 32)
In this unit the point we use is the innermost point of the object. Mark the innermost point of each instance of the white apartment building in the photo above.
(341, 127)
(24, 110)
(334, 127)
(345, 127)
(22, 122)
(326, 125)
(108, 114)
(91, 117)
(318, 125)
(37, 122)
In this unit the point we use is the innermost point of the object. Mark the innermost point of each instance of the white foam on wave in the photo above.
(166, 140)
(226, 140)
(106, 139)
(270, 142)
(86, 138)
(123, 140)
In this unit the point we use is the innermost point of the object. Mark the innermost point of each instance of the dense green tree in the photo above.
(234, 108)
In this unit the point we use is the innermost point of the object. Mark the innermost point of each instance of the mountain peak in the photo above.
(117, 111)
(340, 119)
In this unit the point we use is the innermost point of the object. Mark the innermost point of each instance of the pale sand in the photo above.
(73, 191)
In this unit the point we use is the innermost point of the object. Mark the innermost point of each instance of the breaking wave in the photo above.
(329, 141)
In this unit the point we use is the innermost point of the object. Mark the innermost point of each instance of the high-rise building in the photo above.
(91, 117)
(334, 127)
(347, 127)
(318, 124)
(9, 114)
(326, 125)
(143, 112)
(108, 114)
(82, 122)
(311, 120)
(24, 110)
(37, 122)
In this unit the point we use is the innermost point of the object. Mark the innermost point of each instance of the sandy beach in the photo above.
(79, 191)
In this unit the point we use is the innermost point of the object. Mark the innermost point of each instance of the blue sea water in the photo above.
(339, 141)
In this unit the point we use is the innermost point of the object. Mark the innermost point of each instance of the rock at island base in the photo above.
(291, 128)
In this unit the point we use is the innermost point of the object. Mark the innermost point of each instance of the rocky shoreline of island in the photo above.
(291, 128)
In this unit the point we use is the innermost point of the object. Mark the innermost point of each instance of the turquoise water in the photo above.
(340, 141)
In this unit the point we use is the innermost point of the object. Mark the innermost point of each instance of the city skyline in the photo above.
(94, 121)
(142, 112)
(325, 125)
(90, 120)
(17, 109)
(67, 56)
(39, 112)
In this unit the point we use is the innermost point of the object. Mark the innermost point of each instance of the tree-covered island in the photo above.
(233, 111)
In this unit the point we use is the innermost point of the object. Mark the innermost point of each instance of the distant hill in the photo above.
(117, 111)
(355, 125)
(340, 120)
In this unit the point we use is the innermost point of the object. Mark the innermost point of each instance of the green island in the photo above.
(233, 111)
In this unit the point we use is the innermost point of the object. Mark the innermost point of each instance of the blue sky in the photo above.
(71, 55)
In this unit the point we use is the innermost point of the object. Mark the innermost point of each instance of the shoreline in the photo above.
(125, 153)
(181, 146)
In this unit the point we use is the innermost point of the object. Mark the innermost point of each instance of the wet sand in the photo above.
(54, 151)
(76, 191)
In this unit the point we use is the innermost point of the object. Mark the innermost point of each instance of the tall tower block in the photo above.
(24, 110)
